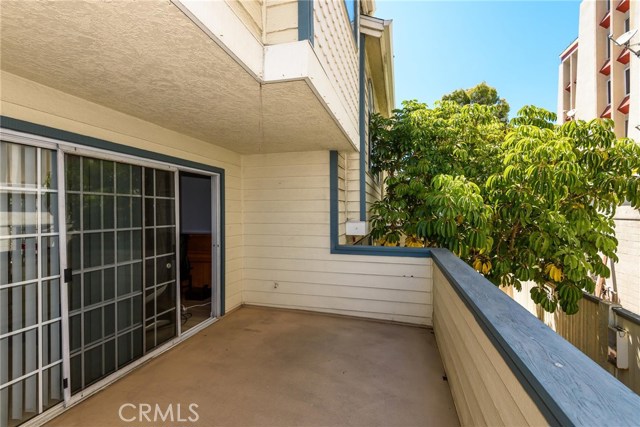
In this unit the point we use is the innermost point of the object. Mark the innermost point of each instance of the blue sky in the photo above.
(441, 46)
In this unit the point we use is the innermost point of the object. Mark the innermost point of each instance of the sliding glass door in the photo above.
(110, 222)
(30, 317)
(122, 294)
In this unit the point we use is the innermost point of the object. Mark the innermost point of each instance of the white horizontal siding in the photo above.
(26, 100)
(373, 190)
(282, 21)
(335, 47)
(287, 249)
(484, 388)
(342, 198)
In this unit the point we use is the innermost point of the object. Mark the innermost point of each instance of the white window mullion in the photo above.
(176, 192)
(37, 352)
(64, 288)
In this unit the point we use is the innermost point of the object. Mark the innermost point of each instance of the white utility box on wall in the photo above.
(357, 228)
(618, 355)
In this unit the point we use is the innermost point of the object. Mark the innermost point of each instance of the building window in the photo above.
(627, 26)
(627, 81)
(353, 8)
(609, 47)
(609, 92)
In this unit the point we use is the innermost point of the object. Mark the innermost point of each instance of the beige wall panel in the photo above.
(485, 390)
(250, 13)
(338, 291)
(287, 218)
(348, 306)
(298, 231)
(339, 264)
(286, 206)
(283, 36)
(286, 237)
(321, 242)
(300, 182)
(339, 279)
(342, 198)
(287, 159)
(292, 170)
(282, 21)
(353, 183)
(627, 269)
(294, 194)
(26, 100)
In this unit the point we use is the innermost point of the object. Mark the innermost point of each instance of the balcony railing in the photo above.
(505, 367)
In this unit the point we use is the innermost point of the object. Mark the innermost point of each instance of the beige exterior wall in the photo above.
(485, 390)
(353, 187)
(627, 269)
(281, 21)
(342, 198)
(373, 187)
(25, 100)
(287, 249)
(250, 13)
(277, 216)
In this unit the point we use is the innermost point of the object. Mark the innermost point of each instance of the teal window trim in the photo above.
(89, 141)
(305, 20)
(337, 248)
(362, 129)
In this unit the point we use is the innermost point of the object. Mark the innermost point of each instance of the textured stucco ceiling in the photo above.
(147, 59)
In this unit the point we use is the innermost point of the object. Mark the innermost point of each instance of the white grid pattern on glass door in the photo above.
(104, 237)
(30, 316)
(160, 257)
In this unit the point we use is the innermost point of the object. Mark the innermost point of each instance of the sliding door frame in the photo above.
(63, 147)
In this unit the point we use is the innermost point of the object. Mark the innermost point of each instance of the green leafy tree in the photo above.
(524, 201)
(481, 94)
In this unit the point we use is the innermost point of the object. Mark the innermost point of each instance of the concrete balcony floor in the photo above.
(268, 367)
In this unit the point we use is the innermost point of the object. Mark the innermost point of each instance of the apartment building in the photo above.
(601, 78)
(162, 163)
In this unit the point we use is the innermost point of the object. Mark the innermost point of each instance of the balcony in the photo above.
(623, 6)
(624, 56)
(193, 67)
(606, 68)
(271, 367)
(606, 20)
(263, 366)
